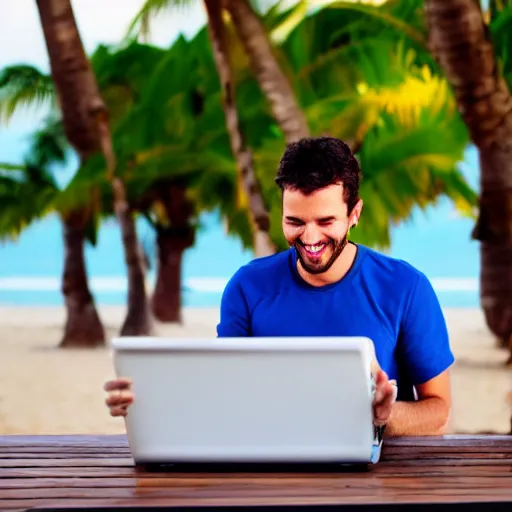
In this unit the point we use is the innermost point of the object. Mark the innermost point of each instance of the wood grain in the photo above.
(88, 471)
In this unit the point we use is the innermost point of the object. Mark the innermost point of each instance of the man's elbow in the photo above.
(444, 420)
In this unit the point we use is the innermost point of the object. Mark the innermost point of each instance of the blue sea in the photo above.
(437, 241)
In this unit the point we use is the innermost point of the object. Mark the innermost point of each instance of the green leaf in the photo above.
(24, 86)
(378, 13)
(140, 25)
(26, 194)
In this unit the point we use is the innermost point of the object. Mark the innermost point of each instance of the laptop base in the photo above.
(254, 467)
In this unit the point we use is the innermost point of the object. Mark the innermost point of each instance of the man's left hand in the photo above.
(385, 397)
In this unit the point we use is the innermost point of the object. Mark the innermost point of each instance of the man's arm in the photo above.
(235, 320)
(425, 352)
(430, 415)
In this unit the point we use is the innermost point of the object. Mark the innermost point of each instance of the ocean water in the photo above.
(436, 241)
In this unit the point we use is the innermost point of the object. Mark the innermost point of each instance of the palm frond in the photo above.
(405, 167)
(140, 25)
(23, 86)
(280, 24)
(48, 144)
(26, 194)
(379, 13)
(5, 166)
(418, 93)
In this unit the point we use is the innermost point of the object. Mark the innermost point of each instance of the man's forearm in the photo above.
(429, 416)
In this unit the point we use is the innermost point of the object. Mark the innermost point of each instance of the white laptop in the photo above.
(249, 400)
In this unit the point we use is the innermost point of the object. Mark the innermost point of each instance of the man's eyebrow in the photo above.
(328, 218)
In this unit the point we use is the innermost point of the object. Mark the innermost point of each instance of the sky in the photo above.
(99, 21)
(21, 39)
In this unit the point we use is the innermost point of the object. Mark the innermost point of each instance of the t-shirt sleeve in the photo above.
(234, 310)
(424, 341)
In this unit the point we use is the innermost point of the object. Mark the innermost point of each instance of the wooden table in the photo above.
(98, 471)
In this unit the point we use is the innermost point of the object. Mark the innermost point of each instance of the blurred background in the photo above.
(138, 145)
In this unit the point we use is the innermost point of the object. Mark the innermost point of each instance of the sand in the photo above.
(44, 390)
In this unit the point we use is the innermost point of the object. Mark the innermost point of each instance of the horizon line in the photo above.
(116, 284)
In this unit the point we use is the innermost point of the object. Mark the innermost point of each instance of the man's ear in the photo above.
(356, 213)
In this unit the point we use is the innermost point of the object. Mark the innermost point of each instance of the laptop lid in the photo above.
(249, 399)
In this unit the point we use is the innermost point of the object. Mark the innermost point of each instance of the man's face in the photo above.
(317, 225)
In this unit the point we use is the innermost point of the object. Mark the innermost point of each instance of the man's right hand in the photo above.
(120, 396)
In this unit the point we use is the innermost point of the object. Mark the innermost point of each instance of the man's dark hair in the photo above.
(315, 163)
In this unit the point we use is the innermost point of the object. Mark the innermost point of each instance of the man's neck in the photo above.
(337, 271)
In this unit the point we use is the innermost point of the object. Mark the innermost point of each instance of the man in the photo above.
(325, 285)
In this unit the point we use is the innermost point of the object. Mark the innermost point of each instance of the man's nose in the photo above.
(311, 235)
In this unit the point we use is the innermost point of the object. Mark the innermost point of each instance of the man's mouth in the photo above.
(314, 251)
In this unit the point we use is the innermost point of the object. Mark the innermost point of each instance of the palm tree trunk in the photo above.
(85, 120)
(173, 239)
(75, 84)
(273, 82)
(260, 217)
(166, 299)
(83, 326)
(138, 318)
(460, 41)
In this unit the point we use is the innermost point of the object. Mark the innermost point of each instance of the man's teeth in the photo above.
(314, 248)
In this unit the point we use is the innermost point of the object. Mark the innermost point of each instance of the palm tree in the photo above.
(272, 80)
(257, 45)
(462, 43)
(165, 141)
(85, 120)
(170, 211)
(29, 192)
(274, 83)
(262, 243)
(471, 52)
(403, 119)
(122, 76)
(25, 85)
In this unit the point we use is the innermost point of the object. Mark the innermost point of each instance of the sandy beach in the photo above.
(44, 390)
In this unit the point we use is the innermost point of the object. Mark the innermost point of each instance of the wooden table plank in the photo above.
(62, 440)
(392, 469)
(28, 463)
(332, 483)
(389, 452)
(24, 503)
(128, 462)
(276, 495)
(98, 471)
(450, 440)
(121, 440)
(118, 444)
(20, 450)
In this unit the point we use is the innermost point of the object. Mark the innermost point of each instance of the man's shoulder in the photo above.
(400, 282)
(267, 269)
(389, 268)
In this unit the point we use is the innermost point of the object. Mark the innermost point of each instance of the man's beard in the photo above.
(336, 247)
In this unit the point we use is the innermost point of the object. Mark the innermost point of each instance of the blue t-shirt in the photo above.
(380, 297)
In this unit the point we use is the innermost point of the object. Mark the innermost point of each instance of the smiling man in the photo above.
(325, 285)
